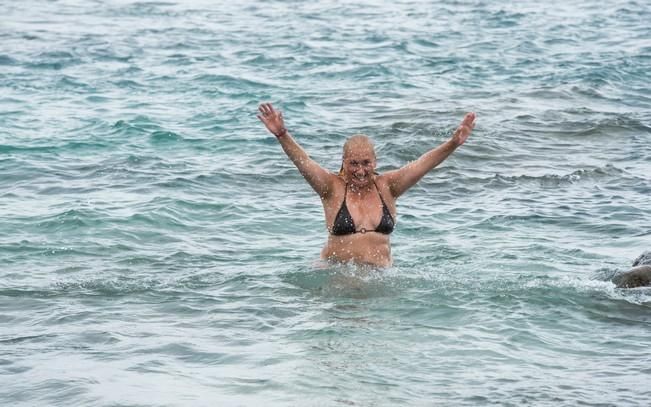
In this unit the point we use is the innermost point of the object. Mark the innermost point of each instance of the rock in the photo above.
(643, 260)
(639, 276)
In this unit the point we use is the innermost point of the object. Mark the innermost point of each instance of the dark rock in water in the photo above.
(639, 276)
(643, 260)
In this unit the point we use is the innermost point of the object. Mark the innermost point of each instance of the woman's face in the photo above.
(359, 166)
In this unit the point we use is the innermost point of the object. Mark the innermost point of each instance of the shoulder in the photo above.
(336, 186)
(394, 182)
(383, 182)
(386, 179)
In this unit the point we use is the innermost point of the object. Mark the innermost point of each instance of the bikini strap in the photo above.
(379, 194)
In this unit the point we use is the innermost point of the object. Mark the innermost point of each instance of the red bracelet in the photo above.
(283, 131)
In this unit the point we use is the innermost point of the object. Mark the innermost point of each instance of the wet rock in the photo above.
(643, 260)
(639, 276)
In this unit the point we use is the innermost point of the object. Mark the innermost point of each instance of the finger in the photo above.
(468, 119)
(271, 108)
(261, 108)
(264, 120)
(265, 108)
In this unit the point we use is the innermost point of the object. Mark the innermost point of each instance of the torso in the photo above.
(366, 209)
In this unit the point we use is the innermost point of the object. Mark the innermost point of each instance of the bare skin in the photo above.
(360, 185)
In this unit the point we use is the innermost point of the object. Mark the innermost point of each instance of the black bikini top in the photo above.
(344, 224)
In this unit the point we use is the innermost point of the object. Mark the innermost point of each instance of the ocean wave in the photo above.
(52, 60)
(553, 180)
(159, 137)
(138, 124)
(6, 60)
(457, 281)
(70, 220)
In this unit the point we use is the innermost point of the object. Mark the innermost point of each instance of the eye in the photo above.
(353, 163)
(367, 163)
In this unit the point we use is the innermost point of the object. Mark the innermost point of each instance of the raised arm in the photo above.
(402, 179)
(318, 177)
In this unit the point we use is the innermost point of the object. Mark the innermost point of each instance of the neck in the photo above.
(360, 190)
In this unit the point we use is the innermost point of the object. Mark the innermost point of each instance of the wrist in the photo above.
(281, 133)
(453, 142)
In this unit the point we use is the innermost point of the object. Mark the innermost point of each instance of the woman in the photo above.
(359, 204)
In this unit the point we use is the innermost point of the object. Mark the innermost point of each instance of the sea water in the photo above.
(157, 248)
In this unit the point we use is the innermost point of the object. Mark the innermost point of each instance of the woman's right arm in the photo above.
(319, 178)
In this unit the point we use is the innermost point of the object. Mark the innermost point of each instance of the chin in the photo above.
(361, 183)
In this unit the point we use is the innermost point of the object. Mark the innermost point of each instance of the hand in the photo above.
(272, 119)
(465, 128)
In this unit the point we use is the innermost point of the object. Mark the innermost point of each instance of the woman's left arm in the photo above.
(402, 179)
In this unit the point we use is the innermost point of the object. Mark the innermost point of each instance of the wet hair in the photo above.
(356, 139)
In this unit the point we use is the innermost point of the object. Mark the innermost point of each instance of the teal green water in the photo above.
(158, 249)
